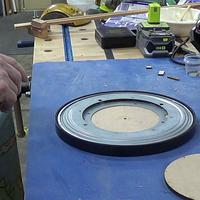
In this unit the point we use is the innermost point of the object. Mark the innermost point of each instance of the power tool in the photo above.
(154, 38)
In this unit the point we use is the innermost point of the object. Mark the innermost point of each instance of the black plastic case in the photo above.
(114, 37)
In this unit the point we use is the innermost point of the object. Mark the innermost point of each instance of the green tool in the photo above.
(154, 13)
(154, 38)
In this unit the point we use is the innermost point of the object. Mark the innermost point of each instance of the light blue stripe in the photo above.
(67, 44)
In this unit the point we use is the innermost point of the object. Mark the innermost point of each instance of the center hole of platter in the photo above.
(125, 119)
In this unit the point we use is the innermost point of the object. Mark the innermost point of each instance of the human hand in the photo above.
(11, 76)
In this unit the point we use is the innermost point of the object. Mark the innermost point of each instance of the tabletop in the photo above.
(57, 171)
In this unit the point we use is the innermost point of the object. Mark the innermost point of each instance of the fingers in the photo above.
(12, 62)
(11, 76)
(5, 79)
(7, 96)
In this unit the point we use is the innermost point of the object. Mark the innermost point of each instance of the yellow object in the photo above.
(105, 8)
(102, 6)
(62, 10)
(154, 13)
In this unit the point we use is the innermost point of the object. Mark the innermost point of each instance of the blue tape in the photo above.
(67, 44)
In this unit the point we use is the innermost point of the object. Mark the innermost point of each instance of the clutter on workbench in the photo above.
(70, 20)
(194, 39)
(114, 37)
(130, 21)
(178, 26)
(154, 39)
(73, 19)
(117, 32)
(40, 28)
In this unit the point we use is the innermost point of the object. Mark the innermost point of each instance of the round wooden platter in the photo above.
(183, 176)
(125, 119)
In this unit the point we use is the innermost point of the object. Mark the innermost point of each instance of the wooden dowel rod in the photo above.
(69, 20)
(95, 16)
(23, 25)
(184, 13)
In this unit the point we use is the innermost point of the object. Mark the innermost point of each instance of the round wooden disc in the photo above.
(125, 119)
(183, 176)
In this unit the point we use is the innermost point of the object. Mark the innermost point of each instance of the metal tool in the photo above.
(17, 110)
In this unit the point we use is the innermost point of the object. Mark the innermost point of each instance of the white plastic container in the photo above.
(180, 26)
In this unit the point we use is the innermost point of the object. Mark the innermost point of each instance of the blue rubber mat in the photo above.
(58, 171)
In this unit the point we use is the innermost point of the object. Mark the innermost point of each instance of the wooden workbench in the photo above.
(84, 46)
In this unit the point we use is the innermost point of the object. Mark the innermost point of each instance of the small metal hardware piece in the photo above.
(161, 73)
